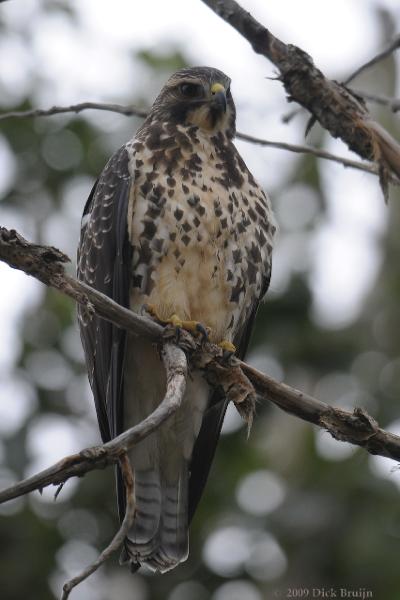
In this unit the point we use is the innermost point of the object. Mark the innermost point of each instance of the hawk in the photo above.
(175, 221)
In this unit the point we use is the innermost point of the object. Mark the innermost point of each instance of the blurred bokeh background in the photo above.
(290, 507)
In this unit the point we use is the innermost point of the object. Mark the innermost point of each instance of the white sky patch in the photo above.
(385, 467)
(239, 589)
(314, 25)
(332, 449)
(260, 492)
(16, 18)
(346, 247)
(102, 67)
(8, 166)
(15, 68)
(18, 400)
(267, 560)
(51, 437)
(226, 550)
(18, 292)
(345, 269)
(232, 421)
(187, 23)
(7, 479)
(355, 198)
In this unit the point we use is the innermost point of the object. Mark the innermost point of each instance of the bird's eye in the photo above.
(190, 90)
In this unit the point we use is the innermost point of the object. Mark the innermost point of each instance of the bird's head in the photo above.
(197, 96)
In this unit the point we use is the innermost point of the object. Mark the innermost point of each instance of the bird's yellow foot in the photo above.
(194, 327)
(227, 346)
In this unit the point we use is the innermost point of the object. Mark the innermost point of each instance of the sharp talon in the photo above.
(202, 331)
(177, 322)
(227, 347)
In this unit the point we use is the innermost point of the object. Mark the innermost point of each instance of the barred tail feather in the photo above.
(158, 537)
(148, 507)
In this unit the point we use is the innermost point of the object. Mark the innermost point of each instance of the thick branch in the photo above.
(129, 110)
(355, 427)
(46, 264)
(236, 378)
(332, 104)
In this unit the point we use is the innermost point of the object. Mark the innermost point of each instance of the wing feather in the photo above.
(104, 259)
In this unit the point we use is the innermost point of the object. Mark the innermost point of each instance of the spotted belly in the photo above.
(196, 290)
(189, 279)
(201, 250)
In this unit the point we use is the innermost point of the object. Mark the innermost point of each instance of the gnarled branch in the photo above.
(332, 104)
(47, 265)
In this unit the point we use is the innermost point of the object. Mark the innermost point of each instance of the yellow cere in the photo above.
(217, 87)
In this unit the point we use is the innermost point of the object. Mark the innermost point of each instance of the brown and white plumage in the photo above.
(177, 221)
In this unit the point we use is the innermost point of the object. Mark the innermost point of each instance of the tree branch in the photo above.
(356, 427)
(236, 377)
(394, 45)
(346, 162)
(331, 103)
(130, 110)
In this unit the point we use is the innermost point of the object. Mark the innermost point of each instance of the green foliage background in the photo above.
(335, 522)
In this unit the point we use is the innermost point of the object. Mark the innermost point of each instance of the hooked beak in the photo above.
(218, 97)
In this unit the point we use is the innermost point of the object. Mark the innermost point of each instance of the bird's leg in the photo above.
(227, 346)
(194, 327)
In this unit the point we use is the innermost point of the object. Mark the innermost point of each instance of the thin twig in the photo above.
(118, 539)
(128, 110)
(346, 162)
(392, 47)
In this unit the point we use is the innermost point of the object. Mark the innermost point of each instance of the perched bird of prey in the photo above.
(177, 222)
